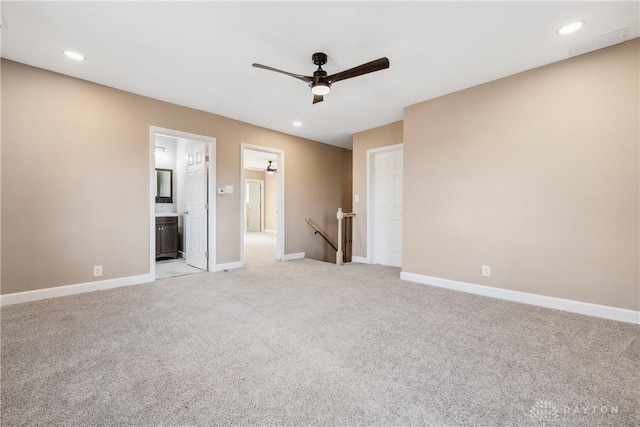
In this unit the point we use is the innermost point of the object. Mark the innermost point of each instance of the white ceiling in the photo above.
(199, 54)
(259, 160)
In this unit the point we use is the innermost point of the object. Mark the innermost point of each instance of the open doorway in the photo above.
(182, 234)
(262, 225)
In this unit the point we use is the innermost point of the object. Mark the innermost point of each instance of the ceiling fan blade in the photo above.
(305, 79)
(317, 98)
(369, 67)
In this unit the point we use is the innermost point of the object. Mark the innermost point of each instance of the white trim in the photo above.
(360, 259)
(80, 288)
(213, 212)
(603, 311)
(210, 143)
(152, 204)
(370, 219)
(229, 266)
(270, 231)
(289, 257)
(280, 236)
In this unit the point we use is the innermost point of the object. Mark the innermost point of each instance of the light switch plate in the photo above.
(229, 189)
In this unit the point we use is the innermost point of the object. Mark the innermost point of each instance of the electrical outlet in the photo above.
(97, 270)
(486, 270)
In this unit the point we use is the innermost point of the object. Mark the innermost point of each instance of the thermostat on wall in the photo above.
(221, 191)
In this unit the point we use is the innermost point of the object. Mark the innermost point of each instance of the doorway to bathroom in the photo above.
(182, 203)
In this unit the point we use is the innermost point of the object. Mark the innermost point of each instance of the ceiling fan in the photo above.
(320, 83)
(270, 168)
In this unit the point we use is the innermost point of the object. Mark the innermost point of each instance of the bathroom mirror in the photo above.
(164, 186)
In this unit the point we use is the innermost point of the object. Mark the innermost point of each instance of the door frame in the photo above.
(280, 232)
(210, 143)
(261, 181)
(370, 195)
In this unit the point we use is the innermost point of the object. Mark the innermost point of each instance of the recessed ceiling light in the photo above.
(74, 55)
(570, 28)
(297, 124)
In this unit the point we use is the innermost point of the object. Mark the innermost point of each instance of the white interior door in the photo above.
(254, 204)
(196, 208)
(387, 207)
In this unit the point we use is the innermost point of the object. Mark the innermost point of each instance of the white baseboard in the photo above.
(603, 311)
(270, 231)
(360, 259)
(229, 266)
(289, 257)
(61, 291)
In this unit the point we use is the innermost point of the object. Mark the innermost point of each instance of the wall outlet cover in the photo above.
(486, 270)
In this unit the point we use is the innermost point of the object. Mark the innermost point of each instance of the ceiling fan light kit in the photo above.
(320, 89)
(320, 83)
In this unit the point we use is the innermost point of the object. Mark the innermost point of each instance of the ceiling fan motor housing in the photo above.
(318, 79)
(318, 85)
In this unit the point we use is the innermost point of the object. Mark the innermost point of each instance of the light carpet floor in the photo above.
(310, 343)
(259, 249)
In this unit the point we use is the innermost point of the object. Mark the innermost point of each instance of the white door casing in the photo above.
(386, 182)
(254, 204)
(196, 208)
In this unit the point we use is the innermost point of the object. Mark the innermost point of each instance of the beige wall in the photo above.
(270, 202)
(251, 174)
(536, 175)
(347, 182)
(382, 136)
(75, 179)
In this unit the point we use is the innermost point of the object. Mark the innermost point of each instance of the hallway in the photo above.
(259, 248)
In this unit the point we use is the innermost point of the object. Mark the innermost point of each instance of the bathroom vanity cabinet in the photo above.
(166, 237)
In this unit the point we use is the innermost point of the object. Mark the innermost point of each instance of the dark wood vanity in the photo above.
(166, 237)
